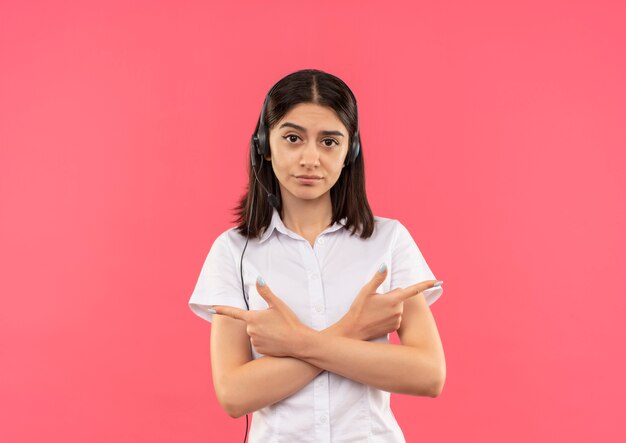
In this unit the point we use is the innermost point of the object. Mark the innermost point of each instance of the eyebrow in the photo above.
(300, 128)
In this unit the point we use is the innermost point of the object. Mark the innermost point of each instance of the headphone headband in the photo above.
(261, 143)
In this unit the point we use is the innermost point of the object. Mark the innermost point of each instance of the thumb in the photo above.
(265, 292)
(378, 278)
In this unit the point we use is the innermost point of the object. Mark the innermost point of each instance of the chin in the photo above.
(309, 194)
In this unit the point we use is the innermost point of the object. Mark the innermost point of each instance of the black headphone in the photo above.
(262, 146)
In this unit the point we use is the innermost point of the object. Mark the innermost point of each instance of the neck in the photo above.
(307, 217)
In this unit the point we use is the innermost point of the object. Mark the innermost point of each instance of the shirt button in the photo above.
(320, 240)
(319, 308)
(323, 419)
(314, 276)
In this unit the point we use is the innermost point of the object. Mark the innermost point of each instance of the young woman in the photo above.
(303, 293)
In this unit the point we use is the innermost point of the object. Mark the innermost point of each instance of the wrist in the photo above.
(347, 326)
(306, 340)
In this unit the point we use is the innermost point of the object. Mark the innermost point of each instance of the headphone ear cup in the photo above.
(262, 143)
(255, 149)
(355, 147)
(255, 142)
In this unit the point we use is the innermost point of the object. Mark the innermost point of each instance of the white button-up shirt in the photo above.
(319, 284)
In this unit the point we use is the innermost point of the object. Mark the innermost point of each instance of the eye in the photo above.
(290, 138)
(336, 143)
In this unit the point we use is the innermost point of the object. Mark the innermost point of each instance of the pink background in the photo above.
(495, 132)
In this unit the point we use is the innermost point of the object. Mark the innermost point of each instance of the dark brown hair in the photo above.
(348, 195)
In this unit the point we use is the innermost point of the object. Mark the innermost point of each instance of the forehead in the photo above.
(311, 115)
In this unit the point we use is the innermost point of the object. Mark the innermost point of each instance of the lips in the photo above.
(308, 180)
(309, 176)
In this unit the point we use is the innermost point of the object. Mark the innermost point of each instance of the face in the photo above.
(308, 149)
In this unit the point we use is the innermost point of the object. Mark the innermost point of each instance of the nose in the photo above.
(310, 155)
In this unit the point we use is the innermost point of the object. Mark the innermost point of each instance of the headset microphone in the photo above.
(272, 199)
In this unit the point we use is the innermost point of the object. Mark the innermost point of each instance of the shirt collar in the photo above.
(277, 223)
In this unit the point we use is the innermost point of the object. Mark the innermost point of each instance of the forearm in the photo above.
(264, 381)
(393, 368)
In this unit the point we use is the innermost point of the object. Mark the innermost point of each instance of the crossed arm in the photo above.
(295, 354)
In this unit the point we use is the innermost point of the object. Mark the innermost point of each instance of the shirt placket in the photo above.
(318, 322)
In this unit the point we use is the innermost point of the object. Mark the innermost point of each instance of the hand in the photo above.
(274, 331)
(373, 315)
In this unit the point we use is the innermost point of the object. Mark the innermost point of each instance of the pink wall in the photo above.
(495, 133)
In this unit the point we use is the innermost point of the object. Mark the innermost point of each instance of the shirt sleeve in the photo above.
(408, 265)
(219, 282)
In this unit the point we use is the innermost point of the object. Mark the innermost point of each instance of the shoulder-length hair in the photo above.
(348, 197)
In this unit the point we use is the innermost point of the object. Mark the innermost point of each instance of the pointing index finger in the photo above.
(415, 289)
(229, 311)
